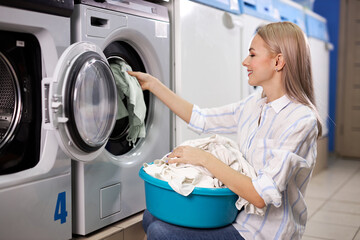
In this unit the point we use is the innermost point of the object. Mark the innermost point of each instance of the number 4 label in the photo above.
(60, 209)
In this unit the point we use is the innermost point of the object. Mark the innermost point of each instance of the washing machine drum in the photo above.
(10, 101)
(81, 100)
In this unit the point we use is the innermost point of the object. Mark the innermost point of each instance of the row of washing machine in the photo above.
(65, 164)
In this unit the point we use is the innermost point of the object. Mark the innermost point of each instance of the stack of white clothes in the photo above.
(183, 178)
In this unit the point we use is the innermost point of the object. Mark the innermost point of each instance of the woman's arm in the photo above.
(238, 183)
(178, 105)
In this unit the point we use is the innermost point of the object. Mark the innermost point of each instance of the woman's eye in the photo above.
(252, 55)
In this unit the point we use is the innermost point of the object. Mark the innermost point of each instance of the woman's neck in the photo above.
(273, 92)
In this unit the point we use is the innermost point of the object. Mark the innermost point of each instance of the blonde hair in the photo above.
(289, 40)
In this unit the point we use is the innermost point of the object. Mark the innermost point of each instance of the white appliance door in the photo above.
(320, 61)
(80, 101)
(207, 59)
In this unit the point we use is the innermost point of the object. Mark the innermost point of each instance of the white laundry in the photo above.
(183, 178)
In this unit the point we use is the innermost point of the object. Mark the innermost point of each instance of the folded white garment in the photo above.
(183, 178)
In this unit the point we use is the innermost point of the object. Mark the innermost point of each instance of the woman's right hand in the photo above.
(146, 80)
(178, 105)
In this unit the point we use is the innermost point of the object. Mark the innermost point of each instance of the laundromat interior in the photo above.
(69, 155)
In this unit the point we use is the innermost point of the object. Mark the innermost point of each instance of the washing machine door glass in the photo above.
(82, 99)
(91, 105)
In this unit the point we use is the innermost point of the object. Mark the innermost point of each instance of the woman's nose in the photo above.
(244, 63)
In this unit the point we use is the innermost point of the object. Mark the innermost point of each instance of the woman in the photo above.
(276, 132)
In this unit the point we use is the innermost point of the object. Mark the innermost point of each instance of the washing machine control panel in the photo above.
(136, 7)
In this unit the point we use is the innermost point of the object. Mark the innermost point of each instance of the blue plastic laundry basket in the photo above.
(203, 208)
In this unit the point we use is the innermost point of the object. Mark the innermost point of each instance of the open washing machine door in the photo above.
(80, 101)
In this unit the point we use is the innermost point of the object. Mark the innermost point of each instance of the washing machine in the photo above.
(207, 56)
(255, 13)
(320, 48)
(56, 109)
(291, 11)
(35, 174)
(108, 188)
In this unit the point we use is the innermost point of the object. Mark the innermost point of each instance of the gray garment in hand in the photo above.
(128, 87)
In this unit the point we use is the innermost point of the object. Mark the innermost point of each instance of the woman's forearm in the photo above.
(238, 183)
(178, 105)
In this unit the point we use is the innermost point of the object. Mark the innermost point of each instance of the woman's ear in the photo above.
(279, 62)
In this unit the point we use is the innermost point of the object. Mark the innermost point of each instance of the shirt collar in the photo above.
(280, 103)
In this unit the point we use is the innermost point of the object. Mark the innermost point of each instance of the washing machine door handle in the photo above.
(80, 101)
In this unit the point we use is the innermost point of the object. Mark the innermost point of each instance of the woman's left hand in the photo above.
(191, 155)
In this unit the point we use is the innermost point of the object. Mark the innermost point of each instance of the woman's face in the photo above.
(260, 63)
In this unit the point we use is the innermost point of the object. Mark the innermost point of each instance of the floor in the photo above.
(126, 229)
(333, 198)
